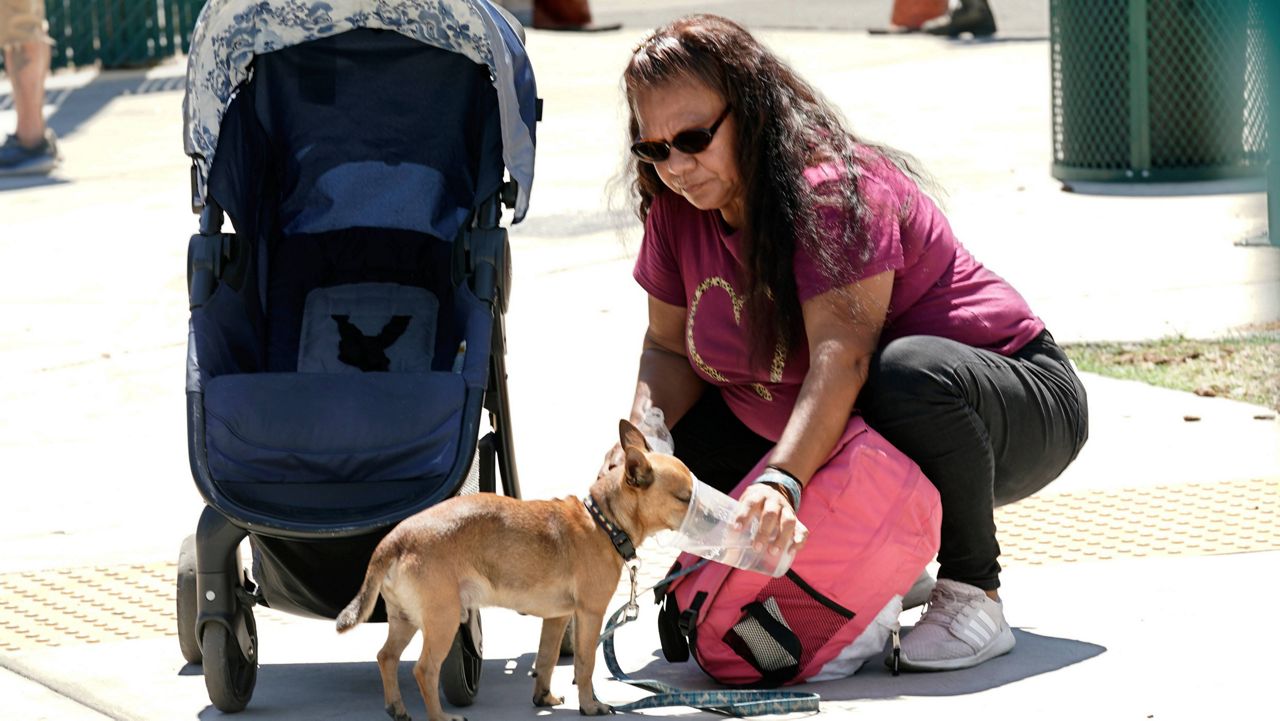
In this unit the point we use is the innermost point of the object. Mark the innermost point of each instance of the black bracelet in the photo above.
(785, 481)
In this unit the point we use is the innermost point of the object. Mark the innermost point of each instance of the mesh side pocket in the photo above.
(787, 624)
(771, 653)
(764, 640)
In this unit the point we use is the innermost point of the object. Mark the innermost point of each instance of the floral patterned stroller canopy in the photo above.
(229, 33)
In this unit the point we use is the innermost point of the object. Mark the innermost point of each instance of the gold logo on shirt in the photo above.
(779, 353)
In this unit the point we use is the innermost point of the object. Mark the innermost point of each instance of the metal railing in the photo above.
(119, 33)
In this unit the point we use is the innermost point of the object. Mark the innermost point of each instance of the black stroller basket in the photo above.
(346, 339)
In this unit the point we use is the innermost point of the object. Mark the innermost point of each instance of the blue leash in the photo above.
(738, 703)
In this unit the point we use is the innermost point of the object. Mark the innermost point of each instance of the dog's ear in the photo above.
(637, 473)
(631, 436)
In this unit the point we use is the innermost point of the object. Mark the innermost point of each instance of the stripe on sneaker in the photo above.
(981, 628)
(977, 634)
(986, 618)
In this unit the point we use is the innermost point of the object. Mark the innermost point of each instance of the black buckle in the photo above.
(212, 259)
(622, 542)
(689, 616)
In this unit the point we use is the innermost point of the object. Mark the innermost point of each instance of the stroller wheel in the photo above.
(229, 677)
(460, 672)
(187, 603)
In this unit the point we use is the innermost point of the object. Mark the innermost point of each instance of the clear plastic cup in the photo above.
(707, 531)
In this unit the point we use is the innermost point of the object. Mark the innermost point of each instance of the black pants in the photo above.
(985, 428)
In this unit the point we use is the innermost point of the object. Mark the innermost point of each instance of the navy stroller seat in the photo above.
(326, 441)
(347, 338)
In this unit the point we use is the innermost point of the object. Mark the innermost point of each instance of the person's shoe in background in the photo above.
(910, 16)
(18, 159)
(973, 16)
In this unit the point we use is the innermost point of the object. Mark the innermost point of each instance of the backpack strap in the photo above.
(672, 633)
(738, 703)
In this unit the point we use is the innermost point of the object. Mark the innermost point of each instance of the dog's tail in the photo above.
(361, 607)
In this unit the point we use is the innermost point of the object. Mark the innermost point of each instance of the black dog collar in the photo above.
(621, 541)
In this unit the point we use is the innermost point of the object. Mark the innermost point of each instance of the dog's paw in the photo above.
(398, 714)
(546, 698)
(595, 708)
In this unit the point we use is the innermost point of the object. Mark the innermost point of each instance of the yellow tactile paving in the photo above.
(86, 605)
(101, 604)
(1183, 520)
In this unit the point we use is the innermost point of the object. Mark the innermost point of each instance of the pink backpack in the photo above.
(873, 521)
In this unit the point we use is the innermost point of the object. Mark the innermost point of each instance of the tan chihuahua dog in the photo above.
(556, 559)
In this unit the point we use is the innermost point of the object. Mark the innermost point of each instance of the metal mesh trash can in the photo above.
(1271, 24)
(1158, 90)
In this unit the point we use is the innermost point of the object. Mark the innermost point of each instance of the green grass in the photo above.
(1243, 367)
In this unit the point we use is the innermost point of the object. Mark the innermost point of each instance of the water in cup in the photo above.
(707, 531)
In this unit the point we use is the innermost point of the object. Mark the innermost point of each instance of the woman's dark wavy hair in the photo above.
(783, 127)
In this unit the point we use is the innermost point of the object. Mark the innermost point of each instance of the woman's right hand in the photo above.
(778, 529)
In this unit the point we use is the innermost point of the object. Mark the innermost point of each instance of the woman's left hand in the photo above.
(779, 527)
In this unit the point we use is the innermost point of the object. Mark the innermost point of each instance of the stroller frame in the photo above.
(215, 598)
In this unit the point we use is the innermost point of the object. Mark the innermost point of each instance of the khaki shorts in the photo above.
(23, 21)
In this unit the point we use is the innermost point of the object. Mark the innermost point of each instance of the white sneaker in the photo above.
(961, 627)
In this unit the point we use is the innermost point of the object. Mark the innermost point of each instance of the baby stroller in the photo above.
(346, 339)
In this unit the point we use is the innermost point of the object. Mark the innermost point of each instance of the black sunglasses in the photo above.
(689, 142)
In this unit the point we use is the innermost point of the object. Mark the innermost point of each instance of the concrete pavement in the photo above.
(1114, 573)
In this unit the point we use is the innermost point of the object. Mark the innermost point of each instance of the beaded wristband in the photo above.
(785, 481)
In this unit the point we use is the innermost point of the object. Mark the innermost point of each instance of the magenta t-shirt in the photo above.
(689, 258)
